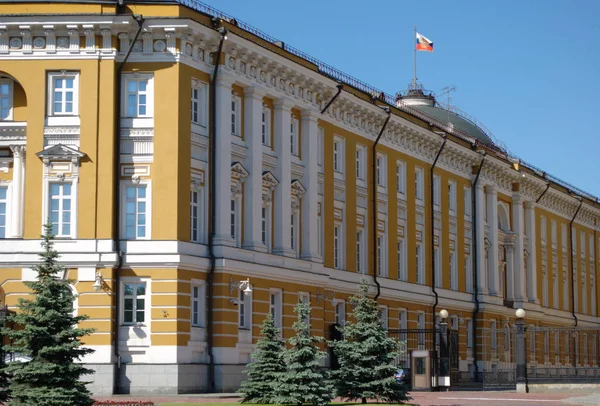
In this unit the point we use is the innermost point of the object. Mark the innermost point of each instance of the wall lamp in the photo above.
(321, 296)
(98, 282)
(244, 286)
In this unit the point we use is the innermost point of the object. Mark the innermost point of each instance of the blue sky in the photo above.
(527, 69)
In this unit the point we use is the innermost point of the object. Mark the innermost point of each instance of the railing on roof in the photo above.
(382, 96)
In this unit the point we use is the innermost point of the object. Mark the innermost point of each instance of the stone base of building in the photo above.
(164, 379)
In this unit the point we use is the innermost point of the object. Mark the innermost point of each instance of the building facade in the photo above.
(177, 154)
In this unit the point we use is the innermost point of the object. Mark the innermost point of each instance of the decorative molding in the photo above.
(238, 175)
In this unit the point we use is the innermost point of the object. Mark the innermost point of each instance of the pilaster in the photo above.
(482, 285)
(310, 239)
(17, 191)
(492, 216)
(519, 269)
(532, 248)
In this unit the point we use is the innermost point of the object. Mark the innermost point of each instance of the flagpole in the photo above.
(415, 50)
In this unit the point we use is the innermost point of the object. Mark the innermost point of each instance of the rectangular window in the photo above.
(266, 126)
(553, 232)
(337, 246)
(304, 298)
(469, 333)
(263, 225)
(3, 207)
(6, 99)
(340, 313)
(453, 272)
(275, 307)
(419, 184)
(138, 96)
(134, 303)
(383, 316)
(244, 311)
(543, 229)
(199, 104)
(437, 266)
(294, 135)
(198, 305)
(337, 155)
(63, 93)
(294, 228)
(381, 170)
(436, 191)
(452, 197)
(468, 273)
(381, 256)
(60, 209)
(233, 215)
(194, 216)
(467, 201)
(360, 162)
(401, 260)
(421, 327)
(493, 334)
(135, 212)
(359, 251)
(418, 258)
(401, 177)
(320, 147)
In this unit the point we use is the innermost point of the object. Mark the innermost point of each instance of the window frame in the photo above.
(126, 77)
(265, 121)
(200, 218)
(467, 203)
(201, 124)
(381, 247)
(401, 259)
(294, 136)
(338, 244)
(419, 185)
(61, 211)
(453, 271)
(10, 97)
(361, 153)
(147, 301)
(148, 200)
(201, 303)
(419, 264)
(382, 311)
(401, 178)
(339, 309)
(51, 91)
(360, 251)
(245, 307)
(338, 155)
(276, 309)
(452, 197)
(380, 167)
(236, 115)
(437, 181)
(320, 148)
(295, 233)
(5, 229)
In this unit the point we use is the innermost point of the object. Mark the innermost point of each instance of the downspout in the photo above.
(475, 264)
(213, 182)
(335, 96)
(375, 211)
(573, 280)
(432, 221)
(543, 193)
(117, 201)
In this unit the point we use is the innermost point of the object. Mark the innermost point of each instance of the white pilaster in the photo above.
(222, 139)
(310, 238)
(510, 270)
(519, 228)
(283, 208)
(253, 105)
(492, 216)
(531, 247)
(17, 191)
(482, 286)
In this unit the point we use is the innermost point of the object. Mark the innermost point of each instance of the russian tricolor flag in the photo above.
(424, 44)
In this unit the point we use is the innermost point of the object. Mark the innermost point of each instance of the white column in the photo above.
(510, 270)
(310, 238)
(492, 215)
(17, 191)
(222, 139)
(253, 106)
(519, 228)
(482, 286)
(283, 199)
(531, 247)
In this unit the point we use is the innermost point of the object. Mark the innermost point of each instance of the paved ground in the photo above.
(419, 398)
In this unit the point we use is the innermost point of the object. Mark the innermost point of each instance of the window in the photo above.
(469, 333)
(454, 322)
(452, 197)
(134, 303)
(338, 155)
(60, 209)
(401, 177)
(195, 213)
(136, 211)
(381, 256)
(383, 316)
(198, 305)
(63, 93)
(275, 306)
(436, 191)
(337, 246)
(138, 95)
(381, 170)
(493, 334)
(467, 201)
(553, 233)
(359, 251)
(418, 264)
(6, 99)
(543, 229)
(419, 184)
(321, 242)
(266, 126)
(244, 311)
(421, 326)
(294, 228)
(340, 313)
(360, 162)
(266, 227)
(304, 297)
(236, 115)
(233, 219)
(3, 207)
(402, 320)
(439, 277)
(200, 105)
(294, 131)
(320, 141)
(468, 273)
(453, 272)
(401, 260)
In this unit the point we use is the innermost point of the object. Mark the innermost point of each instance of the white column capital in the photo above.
(18, 151)
(310, 115)
(530, 205)
(283, 104)
(254, 92)
(491, 189)
(224, 80)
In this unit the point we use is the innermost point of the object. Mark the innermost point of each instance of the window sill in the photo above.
(62, 120)
(400, 195)
(137, 122)
(198, 129)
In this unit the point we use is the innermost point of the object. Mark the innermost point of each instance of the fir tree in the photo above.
(366, 355)
(45, 332)
(304, 381)
(267, 363)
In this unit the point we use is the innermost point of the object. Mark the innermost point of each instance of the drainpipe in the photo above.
(475, 264)
(213, 181)
(432, 221)
(543, 193)
(573, 279)
(335, 96)
(117, 201)
(375, 211)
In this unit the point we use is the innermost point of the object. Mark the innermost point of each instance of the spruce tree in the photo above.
(366, 355)
(267, 363)
(304, 381)
(44, 331)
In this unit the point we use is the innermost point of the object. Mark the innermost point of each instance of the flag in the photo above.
(424, 44)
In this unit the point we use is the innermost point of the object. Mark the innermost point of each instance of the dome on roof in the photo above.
(424, 102)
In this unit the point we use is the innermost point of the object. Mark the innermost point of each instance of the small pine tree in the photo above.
(304, 381)
(366, 355)
(44, 331)
(266, 366)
